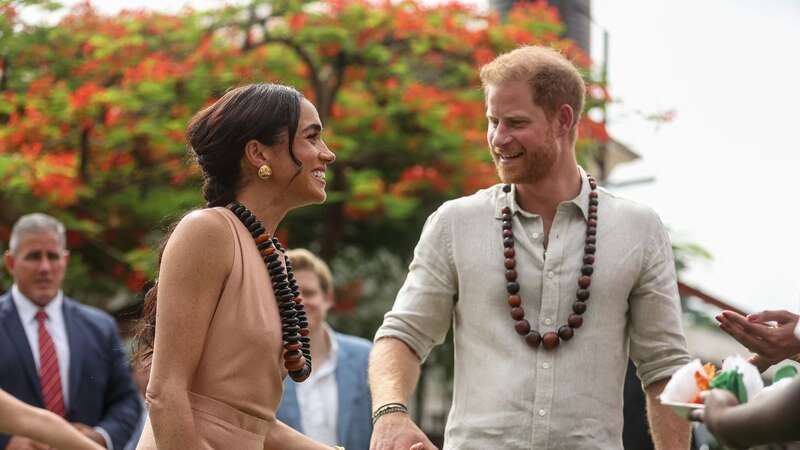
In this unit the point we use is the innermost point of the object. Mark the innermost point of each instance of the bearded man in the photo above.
(550, 282)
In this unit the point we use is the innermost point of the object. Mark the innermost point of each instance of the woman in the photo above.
(20, 419)
(215, 329)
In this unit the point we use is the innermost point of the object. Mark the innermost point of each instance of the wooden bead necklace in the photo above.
(550, 340)
(296, 342)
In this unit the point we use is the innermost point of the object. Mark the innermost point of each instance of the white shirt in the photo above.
(318, 398)
(55, 326)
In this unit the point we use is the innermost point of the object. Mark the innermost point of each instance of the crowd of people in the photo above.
(543, 279)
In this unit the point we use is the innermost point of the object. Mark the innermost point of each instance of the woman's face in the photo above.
(308, 186)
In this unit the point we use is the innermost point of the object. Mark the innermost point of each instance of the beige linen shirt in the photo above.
(508, 395)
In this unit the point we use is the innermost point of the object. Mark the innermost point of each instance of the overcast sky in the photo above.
(725, 169)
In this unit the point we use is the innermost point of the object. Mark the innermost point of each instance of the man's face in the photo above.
(317, 302)
(38, 266)
(520, 136)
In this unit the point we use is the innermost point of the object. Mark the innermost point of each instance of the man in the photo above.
(549, 283)
(333, 405)
(57, 353)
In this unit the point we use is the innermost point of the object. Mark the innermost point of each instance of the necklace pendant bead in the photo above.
(509, 253)
(514, 300)
(588, 259)
(510, 263)
(533, 339)
(582, 295)
(584, 282)
(511, 275)
(579, 308)
(550, 340)
(512, 287)
(517, 313)
(565, 332)
(575, 321)
(522, 327)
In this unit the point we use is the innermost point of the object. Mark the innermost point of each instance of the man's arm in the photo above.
(393, 376)
(669, 431)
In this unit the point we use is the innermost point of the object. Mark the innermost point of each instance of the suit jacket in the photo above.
(101, 391)
(354, 424)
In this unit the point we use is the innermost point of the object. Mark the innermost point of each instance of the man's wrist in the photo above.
(388, 408)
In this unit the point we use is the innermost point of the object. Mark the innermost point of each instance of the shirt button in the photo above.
(545, 366)
(535, 235)
(548, 321)
(550, 274)
(542, 412)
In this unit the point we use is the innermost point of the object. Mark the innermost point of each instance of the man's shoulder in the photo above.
(90, 313)
(354, 343)
(627, 209)
(482, 201)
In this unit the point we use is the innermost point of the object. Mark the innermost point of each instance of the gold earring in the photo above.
(264, 172)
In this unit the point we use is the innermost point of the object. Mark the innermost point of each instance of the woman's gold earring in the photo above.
(264, 172)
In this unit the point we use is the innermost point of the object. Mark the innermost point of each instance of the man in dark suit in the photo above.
(333, 405)
(56, 353)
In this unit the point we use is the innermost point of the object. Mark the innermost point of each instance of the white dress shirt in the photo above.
(57, 328)
(318, 398)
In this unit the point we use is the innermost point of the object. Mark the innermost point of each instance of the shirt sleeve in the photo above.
(106, 436)
(657, 343)
(422, 311)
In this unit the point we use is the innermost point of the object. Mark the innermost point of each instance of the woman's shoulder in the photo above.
(205, 229)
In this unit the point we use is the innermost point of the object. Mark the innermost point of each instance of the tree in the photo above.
(94, 107)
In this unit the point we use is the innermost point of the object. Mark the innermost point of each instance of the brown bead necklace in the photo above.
(550, 340)
(296, 342)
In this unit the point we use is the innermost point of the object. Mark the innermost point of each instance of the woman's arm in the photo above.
(196, 261)
(20, 419)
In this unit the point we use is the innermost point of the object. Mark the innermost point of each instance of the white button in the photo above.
(535, 235)
(542, 412)
(545, 366)
(550, 274)
(548, 321)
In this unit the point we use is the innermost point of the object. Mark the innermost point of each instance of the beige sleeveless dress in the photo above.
(238, 383)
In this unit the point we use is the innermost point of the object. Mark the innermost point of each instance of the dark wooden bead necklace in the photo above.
(296, 342)
(550, 340)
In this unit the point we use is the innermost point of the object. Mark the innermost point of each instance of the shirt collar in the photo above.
(502, 199)
(27, 309)
(330, 364)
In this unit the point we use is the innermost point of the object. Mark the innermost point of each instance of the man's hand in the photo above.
(91, 433)
(771, 344)
(23, 443)
(397, 432)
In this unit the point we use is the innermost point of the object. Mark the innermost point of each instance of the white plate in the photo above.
(683, 409)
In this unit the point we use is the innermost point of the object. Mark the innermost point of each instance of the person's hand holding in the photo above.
(771, 344)
(23, 443)
(91, 433)
(398, 432)
(718, 402)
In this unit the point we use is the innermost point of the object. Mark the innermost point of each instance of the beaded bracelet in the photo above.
(388, 409)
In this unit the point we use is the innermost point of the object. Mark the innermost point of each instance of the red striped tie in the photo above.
(49, 375)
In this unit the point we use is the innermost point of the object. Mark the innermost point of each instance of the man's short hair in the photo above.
(553, 79)
(36, 223)
(303, 259)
